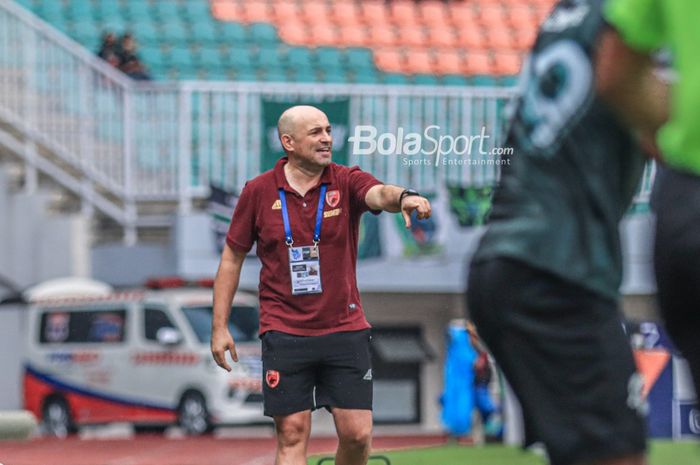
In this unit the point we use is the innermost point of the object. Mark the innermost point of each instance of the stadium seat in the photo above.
(492, 16)
(262, 34)
(382, 35)
(166, 11)
(295, 34)
(321, 34)
(286, 12)
(404, 13)
(346, 12)
(412, 36)
(499, 38)
(181, 58)
(520, 16)
(365, 76)
(152, 56)
(230, 33)
(226, 11)
(302, 74)
(300, 58)
(334, 77)
(463, 15)
(329, 58)
(245, 75)
(507, 62)
(419, 61)
(448, 62)
(478, 62)
(315, 11)
(389, 60)
(193, 11)
(434, 13)
(207, 34)
(210, 58)
(145, 33)
(454, 80)
(256, 11)
(269, 58)
(359, 59)
(175, 33)
(441, 36)
(425, 79)
(353, 36)
(471, 38)
(395, 79)
(80, 10)
(524, 39)
(374, 12)
(137, 10)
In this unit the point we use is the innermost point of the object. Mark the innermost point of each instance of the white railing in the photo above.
(125, 142)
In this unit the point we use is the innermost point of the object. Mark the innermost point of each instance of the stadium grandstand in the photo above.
(396, 42)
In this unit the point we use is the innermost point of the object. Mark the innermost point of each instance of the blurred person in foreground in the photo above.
(646, 26)
(544, 282)
(304, 215)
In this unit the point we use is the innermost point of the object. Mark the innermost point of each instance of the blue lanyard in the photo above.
(319, 217)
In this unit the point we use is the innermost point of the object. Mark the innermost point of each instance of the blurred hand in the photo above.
(415, 202)
(221, 341)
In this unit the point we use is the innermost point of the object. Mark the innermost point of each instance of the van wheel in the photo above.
(192, 414)
(57, 420)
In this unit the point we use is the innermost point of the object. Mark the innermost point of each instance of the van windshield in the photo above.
(243, 323)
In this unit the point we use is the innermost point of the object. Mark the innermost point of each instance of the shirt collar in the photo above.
(327, 177)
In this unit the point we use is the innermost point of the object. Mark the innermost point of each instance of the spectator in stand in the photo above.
(135, 69)
(127, 48)
(109, 50)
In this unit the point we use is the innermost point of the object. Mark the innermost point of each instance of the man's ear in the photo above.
(287, 142)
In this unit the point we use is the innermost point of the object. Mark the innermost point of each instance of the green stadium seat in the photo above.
(366, 76)
(262, 34)
(210, 58)
(105, 9)
(137, 10)
(145, 32)
(394, 78)
(334, 76)
(85, 31)
(80, 10)
(302, 74)
(175, 32)
(204, 33)
(240, 58)
(329, 58)
(274, 75)
(269, 57)
(195, 11)
(359, 58)
(231, 33)
(454, 80)
(117, 25)
(166, 10)
(181, 58)
(425, 79)
(483, 80)
(152, 56)
(300, 57)
(247, 74)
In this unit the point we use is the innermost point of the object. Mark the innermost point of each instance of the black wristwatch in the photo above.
(407, 193)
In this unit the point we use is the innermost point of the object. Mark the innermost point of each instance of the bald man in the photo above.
(305, 215)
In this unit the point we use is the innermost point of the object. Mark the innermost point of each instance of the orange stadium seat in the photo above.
(295, 34)
(419, 61)
(389, 60)
(226, 10)
(463, 15)
(375, 12)
(471, 38)
(541, 12)
(256, 11)
(524, 39)
(507, 63)
(412, 36)
(322, 34)
(404, 13)
(382, 35)
(478, 62)
(521, 17)
(442, 37)
(492, 15)
(314, 11)
(448, 62)
(353, 36)
(499, 38)
(345, 12)
(434, 12)
(286, 11)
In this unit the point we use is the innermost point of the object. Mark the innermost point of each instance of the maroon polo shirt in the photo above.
(258, 217)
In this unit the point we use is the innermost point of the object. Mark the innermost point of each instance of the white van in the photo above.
(141, 357)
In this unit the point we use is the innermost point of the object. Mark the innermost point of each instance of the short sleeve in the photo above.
(639, 22)
(360, 183)
(241, 232)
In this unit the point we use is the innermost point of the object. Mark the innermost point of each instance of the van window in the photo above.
(91, 326)
(243, 323)
(155, 319)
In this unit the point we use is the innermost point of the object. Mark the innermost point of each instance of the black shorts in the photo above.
(677, 260)
(308, 372)
(563, 350)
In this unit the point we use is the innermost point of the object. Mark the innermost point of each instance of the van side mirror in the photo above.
(168, 336)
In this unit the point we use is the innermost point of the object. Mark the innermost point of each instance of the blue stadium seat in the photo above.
(425, 79)
(269, 58)
(454, 80)
(300, 57)
(175, 32)
(359, 58)
(274, 75)
(195, 11)
(334, 76)
(394, 78)
(247, 74)
(302, 74)
(106, 9)
(329, 59)
(240, 58)
(80, 10)
(166, 11)
(181, 58)
(210, 58)
(137, 10)
(232, 33)
(205, 33)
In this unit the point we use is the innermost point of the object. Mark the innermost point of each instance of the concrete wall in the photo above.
(36, 245)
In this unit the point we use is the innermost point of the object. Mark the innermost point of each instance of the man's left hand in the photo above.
(418, 203)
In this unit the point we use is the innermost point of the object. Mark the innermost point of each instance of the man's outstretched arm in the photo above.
(389, 199)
